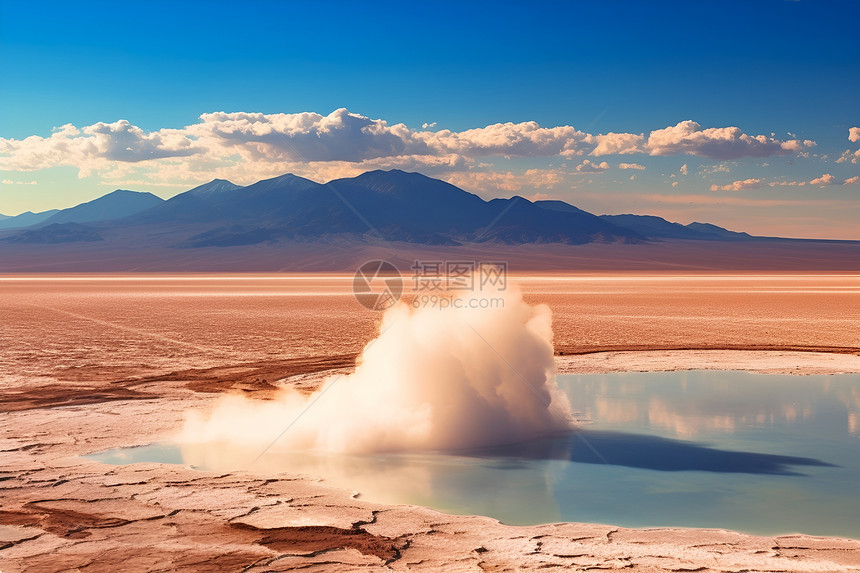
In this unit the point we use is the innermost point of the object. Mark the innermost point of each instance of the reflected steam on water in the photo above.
(766, 454)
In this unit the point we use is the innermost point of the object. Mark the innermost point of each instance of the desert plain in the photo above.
(94, 362)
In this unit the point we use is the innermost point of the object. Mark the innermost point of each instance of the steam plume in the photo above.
(434, 379)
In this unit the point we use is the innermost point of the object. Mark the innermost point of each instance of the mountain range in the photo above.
(377, 205)
(392, 209)
(114, 205)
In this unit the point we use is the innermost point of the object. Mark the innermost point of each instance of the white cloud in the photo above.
(689, 138)
(739, 185)
(828, 179)
(94, 147)
(854, 134)
(724, 167)
(684, 169)
(787, 183)
(248, 146)
(10, 182)
(122, 141)
(339, 136)
(527, 139)
(848, 155)
(674, 183)
(825, 180)
(591, 167)
(430, 125)
(618, 143)
(494, 181)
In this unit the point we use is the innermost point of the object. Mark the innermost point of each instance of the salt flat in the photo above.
(91, 363)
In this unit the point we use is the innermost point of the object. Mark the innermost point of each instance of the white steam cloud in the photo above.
(434, 379)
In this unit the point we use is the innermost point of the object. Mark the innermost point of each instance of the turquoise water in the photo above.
(764, 454)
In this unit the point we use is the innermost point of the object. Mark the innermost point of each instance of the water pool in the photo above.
(765, 454)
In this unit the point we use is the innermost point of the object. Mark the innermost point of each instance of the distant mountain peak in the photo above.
(215, 186)
(394, 175)
(716, 230)
(26, 219)
(287, 180)
(393, 171)
(655, 227)
(116, 204)
(286, 177)
(116, 193)
(393, 205)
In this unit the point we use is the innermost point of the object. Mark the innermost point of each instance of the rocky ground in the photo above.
(61, 512)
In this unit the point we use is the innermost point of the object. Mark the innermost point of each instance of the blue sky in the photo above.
(783, 70)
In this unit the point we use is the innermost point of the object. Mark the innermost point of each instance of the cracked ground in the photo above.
(84, 370)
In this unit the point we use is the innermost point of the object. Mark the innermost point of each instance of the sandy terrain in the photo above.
(87, 368)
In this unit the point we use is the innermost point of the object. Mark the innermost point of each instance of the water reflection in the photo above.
(456, 484)
(695, 403)
(763, 454)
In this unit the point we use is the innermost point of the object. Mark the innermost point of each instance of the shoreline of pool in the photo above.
(64, 512)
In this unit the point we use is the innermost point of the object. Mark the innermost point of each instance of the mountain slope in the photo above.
(225, 202)
(555, 205)
(394, 206)
(387, 205)
(710, 229)
(655, 227)
(26, 219)
(56, 233)
(114, 205)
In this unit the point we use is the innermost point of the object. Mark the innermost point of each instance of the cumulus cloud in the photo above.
(122, 141)
(825, 180)
(848, 155)
(339, 136)
(94, 146)
(718, 168)
(246, 147)
(591, 167)
(683, 170)
(828, 179)
(619, 144)
(527, 139)
(854, 134)
(494, 181)
(787, 183)
(739, 185)
(722, 143)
